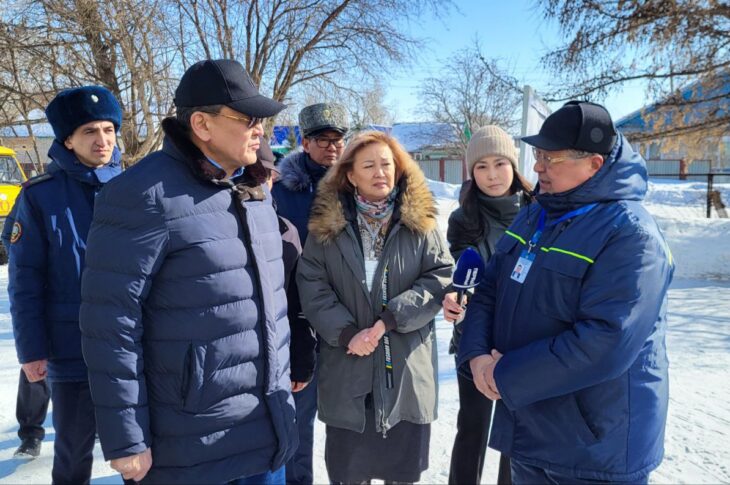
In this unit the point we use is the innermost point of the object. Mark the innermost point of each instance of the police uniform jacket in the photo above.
(47, 256)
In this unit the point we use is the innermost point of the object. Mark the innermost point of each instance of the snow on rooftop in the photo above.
(417, 136)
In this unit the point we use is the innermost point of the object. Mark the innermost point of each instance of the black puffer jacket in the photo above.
(480, 230)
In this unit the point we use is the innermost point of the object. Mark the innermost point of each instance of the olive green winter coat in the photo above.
(335, 299)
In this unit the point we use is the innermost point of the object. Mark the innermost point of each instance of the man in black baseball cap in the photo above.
(221, 111)
(185, 260)
(566, 332)
(572, 145)
(223, 82)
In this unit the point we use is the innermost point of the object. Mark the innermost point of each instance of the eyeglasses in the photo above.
(326, 142)
(249, 120)
(545, 159)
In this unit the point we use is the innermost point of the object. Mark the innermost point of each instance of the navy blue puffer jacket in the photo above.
(583, 379)
(47, 252)
(296, 188)
(184, 321)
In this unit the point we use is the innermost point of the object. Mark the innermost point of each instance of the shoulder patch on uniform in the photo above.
(37, 179)
(17, 232)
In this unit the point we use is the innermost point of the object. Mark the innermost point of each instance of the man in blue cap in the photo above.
(47, 252)
(184, 307)
(566, 331)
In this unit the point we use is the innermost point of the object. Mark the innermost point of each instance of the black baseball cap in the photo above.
(223, 81)
(578, 125)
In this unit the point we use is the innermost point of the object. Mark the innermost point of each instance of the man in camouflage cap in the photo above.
(323, 127)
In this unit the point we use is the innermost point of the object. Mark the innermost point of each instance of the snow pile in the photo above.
(679, 193)
(442, 190)
(700, 246)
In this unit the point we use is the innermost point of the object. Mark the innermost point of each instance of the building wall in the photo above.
(453, 171)
(430, 168)
(444, 170)
(716, 154)
(657, 167)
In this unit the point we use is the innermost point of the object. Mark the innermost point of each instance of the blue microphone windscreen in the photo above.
(469, 270)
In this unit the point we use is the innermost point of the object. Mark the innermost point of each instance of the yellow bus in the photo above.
(11, 178)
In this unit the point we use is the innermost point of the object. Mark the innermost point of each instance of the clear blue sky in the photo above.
(511, 30)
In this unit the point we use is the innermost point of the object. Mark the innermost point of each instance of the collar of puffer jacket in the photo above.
(178, 145)
(294, 174)
(415, 206)
(66, 160)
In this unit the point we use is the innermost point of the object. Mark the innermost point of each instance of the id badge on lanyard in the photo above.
(523, 265)
(370, 266)
(527, 256)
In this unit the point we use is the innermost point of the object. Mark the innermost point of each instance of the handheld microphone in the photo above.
(468, 272)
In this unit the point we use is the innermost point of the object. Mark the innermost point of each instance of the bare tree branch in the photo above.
(473, 91)
(668, 44)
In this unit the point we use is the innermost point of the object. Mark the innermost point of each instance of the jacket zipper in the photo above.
(555, 234)
(378, 357)
(187, 371)
(247, 243)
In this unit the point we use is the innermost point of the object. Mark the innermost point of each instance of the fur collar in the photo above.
(293, 172)
(178, 145)
(415, 207)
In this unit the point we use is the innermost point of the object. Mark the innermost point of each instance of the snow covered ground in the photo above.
(698, 430)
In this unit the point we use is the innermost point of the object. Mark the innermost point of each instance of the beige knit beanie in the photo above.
(490, 140)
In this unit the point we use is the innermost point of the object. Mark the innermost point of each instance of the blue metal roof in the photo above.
(718, 103)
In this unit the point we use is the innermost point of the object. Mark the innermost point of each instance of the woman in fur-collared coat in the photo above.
(371, 280)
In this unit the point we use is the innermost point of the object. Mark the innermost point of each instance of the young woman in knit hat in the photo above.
(488, 204)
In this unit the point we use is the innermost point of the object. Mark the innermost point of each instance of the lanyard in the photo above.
(373, 232)
(541, 222)
(386, 338)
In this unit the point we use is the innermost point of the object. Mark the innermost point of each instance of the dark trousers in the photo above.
(75, 424)
(31, 407)
(523, 473)
(299, 467)
(472, 430)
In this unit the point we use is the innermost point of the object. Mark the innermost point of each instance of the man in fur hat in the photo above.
(47, 252)
(323, 127)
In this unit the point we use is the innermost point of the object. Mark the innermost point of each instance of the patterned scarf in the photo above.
(378, 210)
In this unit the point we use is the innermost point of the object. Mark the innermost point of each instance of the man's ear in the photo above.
(596, 163)
(305, 144)
(199, 124)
